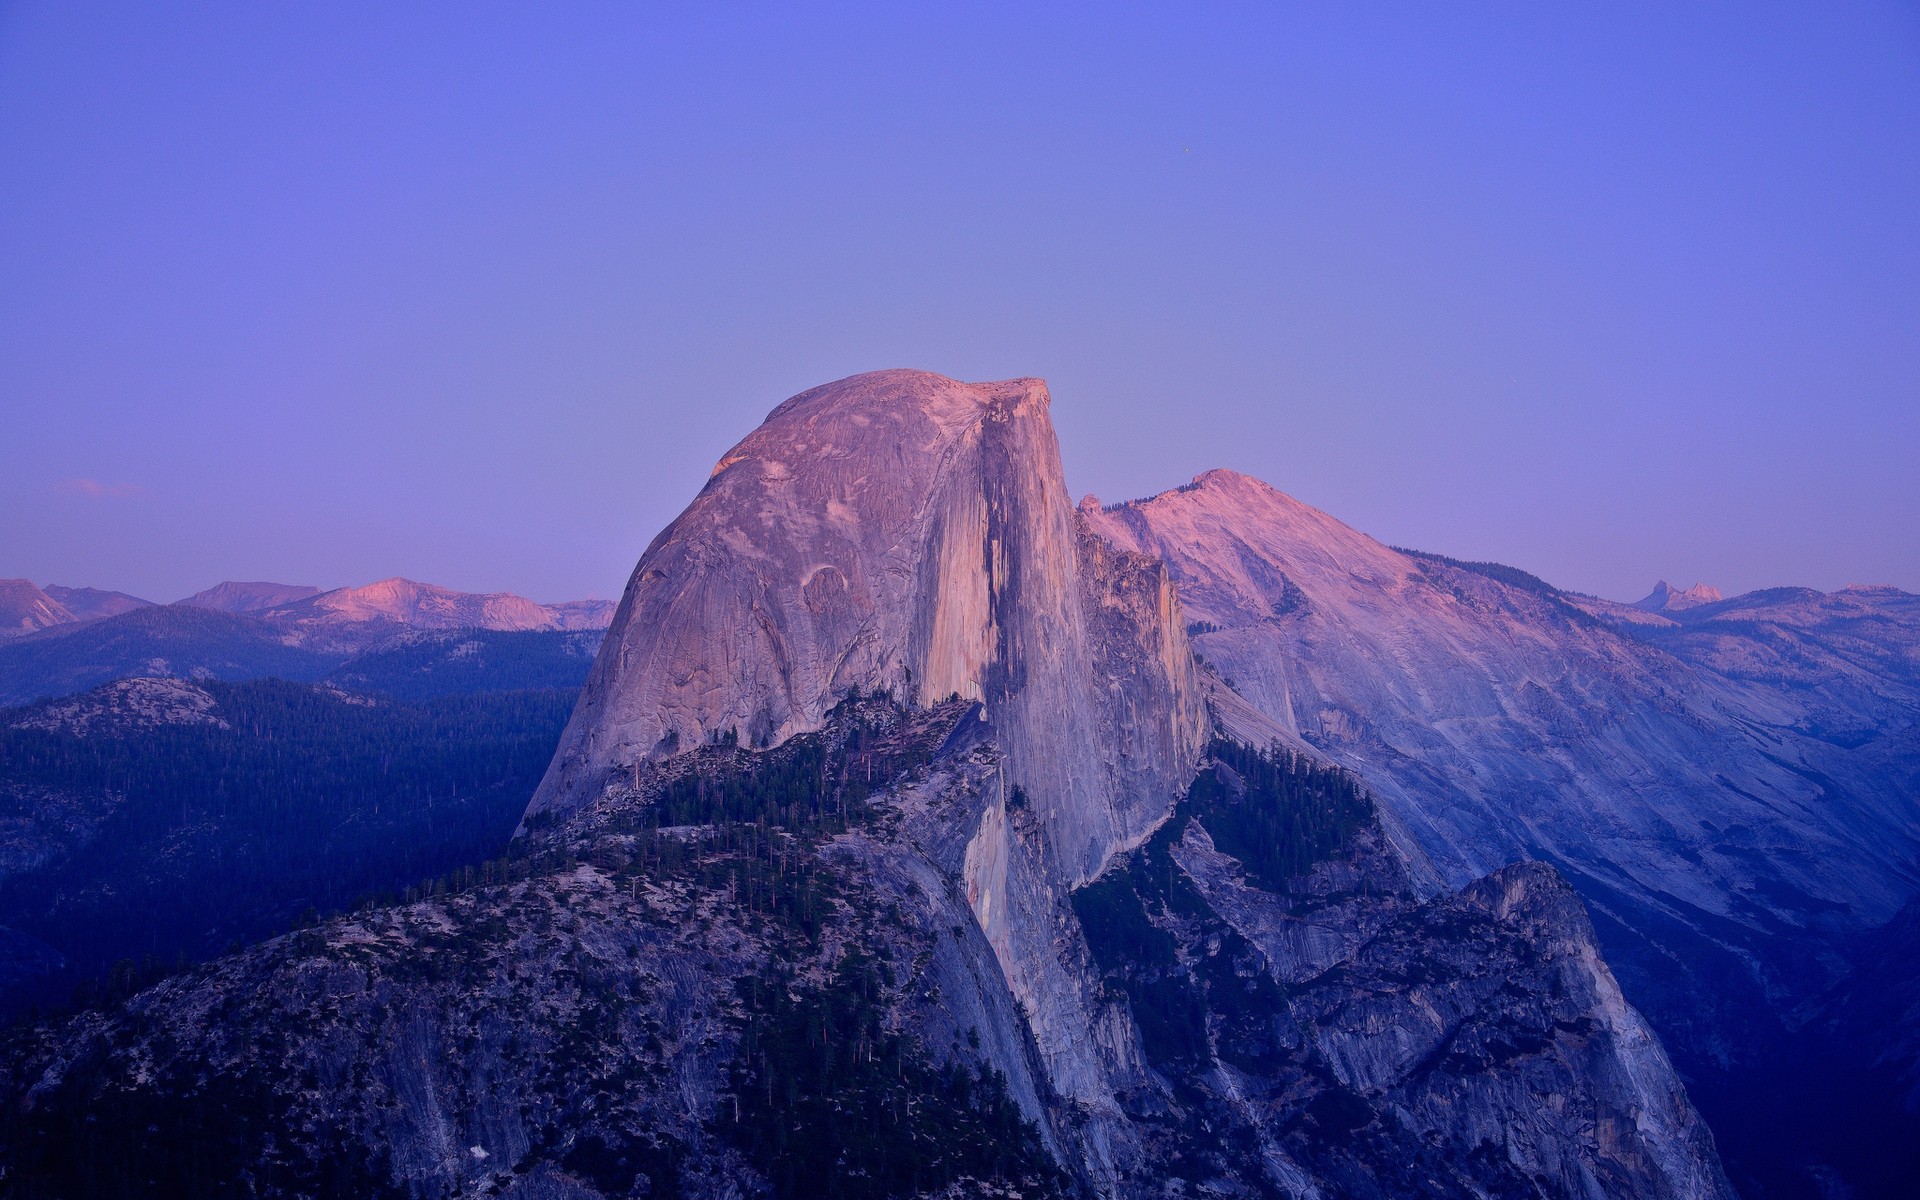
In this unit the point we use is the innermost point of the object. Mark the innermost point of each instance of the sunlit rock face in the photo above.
(26, 609)
(903, 532)
(1690, 779)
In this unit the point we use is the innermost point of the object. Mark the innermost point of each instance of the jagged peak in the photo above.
(1666, 598)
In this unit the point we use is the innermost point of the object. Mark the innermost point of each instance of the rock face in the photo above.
(1331, 1034)
(907, 533)
(1728, 783)
(1497, 722)
(25, 609)
(127, 704)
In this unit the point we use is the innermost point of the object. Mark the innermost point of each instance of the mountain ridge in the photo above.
(1727, 785)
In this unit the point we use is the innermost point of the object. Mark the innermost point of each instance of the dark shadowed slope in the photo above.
(90, 604)
(238, 597)
(155, 819)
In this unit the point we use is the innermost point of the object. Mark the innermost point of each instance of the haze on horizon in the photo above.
(335, 293)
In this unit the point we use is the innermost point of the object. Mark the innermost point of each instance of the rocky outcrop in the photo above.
(906, 533)
(1345, 1037)
(126, 706)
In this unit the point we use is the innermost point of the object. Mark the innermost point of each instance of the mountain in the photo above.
(26, 609)
(88, 604)
(1665, 598)
(242, 631)
(1729, 786)
(354, 618)
(906, 533)
(898, 845)
(164, 639)
(415, 605)
(248, 597)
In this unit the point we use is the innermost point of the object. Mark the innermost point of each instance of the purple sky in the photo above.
(322, 293)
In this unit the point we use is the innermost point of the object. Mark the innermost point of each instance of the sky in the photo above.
(325, 293)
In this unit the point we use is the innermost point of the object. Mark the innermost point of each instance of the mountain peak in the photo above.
(1216, 510)
(1227, 477)
(408, 602)
(239, 597)
(1666, 598)
(87, 603)
(25, 609)
(904, 532)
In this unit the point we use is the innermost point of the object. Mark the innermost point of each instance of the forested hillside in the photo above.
(144, 843)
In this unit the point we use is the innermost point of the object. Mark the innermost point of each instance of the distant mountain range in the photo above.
(59, 640)
(27, 609)
(232, 596)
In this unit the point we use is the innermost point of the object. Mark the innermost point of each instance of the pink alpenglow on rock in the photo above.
(25, 609)
(905, 532)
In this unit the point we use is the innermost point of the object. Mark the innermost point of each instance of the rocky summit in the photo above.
(906, 533)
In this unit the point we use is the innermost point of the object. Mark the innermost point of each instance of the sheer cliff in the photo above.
(906, 533)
